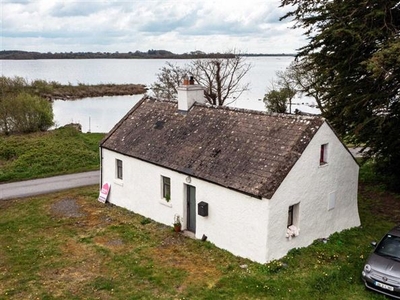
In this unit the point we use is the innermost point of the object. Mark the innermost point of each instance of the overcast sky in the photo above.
(249, 26)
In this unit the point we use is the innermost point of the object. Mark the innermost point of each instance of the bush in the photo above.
(24, 113)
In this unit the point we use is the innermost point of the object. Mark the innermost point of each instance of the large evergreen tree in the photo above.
(354, 51)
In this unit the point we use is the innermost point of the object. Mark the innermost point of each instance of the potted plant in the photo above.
(167, 197)
(177, 223)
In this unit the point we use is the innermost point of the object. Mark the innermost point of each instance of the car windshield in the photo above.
(389, 247)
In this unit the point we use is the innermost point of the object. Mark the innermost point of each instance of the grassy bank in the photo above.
(55, 152)
(72, 92)
(69, 246)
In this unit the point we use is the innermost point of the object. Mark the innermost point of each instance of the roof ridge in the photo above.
(259, 112)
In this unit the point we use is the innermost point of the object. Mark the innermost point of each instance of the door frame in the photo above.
(191, 208)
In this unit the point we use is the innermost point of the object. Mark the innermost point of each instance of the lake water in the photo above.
(100, 114)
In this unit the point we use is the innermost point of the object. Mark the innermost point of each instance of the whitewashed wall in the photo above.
(247, 226)
(312, 185)
(236, 222)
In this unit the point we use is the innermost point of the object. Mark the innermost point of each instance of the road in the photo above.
(47, 185)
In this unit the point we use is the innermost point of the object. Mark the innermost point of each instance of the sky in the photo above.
(247, 26)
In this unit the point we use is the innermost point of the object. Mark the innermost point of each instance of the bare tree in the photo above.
(298, 78)
(221, 78)
(168, 81)
(301, 76)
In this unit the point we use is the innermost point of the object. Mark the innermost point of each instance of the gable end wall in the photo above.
(311, 185)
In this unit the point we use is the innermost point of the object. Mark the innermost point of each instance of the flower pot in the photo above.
(177, 227)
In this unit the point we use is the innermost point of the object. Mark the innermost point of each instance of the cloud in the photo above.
(112, 25)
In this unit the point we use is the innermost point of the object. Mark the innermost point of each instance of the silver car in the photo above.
(382, 270)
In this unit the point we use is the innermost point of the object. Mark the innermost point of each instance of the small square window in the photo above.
(323, 158)
(118, 164)
(166, 188)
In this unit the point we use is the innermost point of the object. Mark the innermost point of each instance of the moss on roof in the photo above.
(248, 151)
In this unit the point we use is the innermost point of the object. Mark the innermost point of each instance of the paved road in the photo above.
(48, 185)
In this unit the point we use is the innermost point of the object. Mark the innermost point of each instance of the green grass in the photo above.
(111, 253)
(107, 252)
(60, 151)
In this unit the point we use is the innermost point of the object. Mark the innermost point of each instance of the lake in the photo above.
(100, 114)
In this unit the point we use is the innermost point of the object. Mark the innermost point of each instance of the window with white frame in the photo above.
(118, 169)
(323, 157)
(166, 188)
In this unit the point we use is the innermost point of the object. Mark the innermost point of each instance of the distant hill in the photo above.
(162, 54)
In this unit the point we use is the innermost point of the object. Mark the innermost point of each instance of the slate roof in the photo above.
(245, 150)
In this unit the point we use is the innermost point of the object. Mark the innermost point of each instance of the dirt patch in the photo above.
(67, 207)
(383, 204)
(172, 252)
(113, 243)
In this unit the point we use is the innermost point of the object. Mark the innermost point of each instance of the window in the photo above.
(166, 188)
(293, 215)
(293, 221)
(323, 158)
(119, 168)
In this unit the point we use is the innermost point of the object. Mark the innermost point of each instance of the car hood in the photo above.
(384, 265)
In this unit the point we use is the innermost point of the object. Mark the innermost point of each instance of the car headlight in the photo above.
(367, 268)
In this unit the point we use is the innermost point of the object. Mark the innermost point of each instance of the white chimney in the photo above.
(188, 94)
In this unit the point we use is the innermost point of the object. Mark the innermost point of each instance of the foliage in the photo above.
(20, 111)
(353, 51)
(277, 100)
(281, 93)
(300, 78)
(177, 219)
(220, 76)
(55, 152)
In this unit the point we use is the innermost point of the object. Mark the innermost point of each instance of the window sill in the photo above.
(118, 182)
(322, 165)
(165, 203)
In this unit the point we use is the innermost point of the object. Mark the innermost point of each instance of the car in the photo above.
(381, 273)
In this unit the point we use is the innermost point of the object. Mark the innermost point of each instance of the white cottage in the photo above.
(253, 183)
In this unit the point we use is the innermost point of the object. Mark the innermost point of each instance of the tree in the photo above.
(221, 78)
(353, 49)
(168, 81)
(300, 77)
(277, 100)
(281, 93)
(20, 111)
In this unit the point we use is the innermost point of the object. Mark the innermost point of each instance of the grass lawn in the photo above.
(43, 154)
(68, 245)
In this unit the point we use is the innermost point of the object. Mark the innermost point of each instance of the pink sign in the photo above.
(105, 189)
